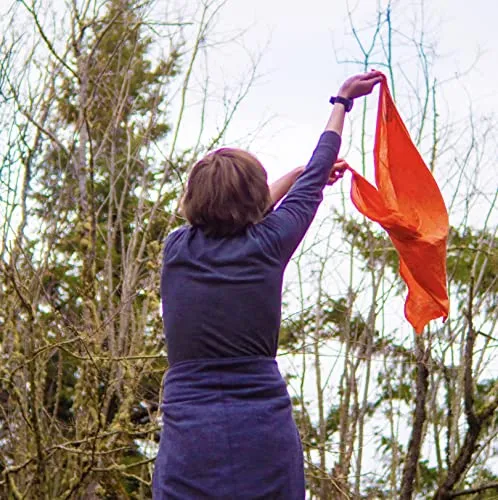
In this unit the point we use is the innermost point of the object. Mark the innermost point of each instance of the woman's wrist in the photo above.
(336, 120)
(281, 187)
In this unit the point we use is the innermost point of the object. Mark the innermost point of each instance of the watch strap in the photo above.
(348, 103)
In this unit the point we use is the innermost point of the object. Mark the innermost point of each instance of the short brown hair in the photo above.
(226, 192)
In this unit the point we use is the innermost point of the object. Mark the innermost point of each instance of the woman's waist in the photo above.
(250, 377)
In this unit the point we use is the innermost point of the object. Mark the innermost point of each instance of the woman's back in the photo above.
(221, 296)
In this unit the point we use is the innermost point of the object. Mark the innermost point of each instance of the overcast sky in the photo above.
(303, 41)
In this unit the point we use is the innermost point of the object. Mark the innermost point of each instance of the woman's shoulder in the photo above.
(175, 236)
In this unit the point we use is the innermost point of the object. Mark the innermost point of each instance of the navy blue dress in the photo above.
(228, 430)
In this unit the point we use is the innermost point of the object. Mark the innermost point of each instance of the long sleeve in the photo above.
(285, 227)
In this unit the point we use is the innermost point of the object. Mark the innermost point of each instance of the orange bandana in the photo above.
(407, 203)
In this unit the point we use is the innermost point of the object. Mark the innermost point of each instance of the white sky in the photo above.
(300, 69)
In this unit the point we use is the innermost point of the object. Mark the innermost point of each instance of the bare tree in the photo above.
(92, 174)
(388, 414)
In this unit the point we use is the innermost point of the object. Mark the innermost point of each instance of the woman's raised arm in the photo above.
(287, 225)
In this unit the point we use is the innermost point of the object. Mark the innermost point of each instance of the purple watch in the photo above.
(348, 103)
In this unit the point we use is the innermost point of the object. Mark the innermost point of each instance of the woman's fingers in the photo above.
(373, 74)
(360, 85)
(340, 164)
(337, 172)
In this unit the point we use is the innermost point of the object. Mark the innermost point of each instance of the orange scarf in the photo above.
(407, 203)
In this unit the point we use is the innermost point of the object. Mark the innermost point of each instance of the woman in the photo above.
(228, 429)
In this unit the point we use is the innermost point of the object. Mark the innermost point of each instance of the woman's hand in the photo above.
(337, 172)
(353, 87)
(360, 85)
